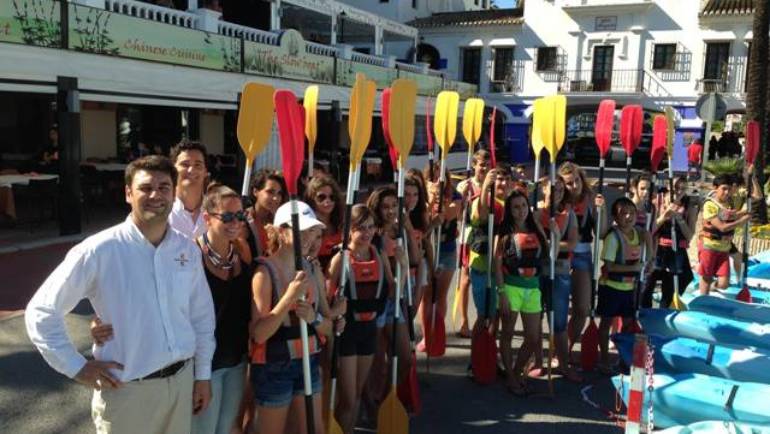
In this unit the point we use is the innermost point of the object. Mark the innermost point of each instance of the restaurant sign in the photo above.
(31, 22)
(288, 59)
(102, 32)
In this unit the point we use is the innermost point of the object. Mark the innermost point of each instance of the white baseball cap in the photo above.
(307, 218)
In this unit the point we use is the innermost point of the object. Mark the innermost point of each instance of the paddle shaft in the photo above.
(746, 235)
(399, 274)
(674, 246)
(246, 177)
(536, 179)
(628, 176)
(554, 252)
(597, 241)
(490, 246)
(297, 244)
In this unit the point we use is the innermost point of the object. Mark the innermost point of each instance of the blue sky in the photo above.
(505, 3)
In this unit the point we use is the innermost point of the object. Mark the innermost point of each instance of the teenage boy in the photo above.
(189, 159)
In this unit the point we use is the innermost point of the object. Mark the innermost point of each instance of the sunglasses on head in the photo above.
(227, 217)
(320, 197)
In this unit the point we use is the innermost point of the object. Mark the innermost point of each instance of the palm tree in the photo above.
(758, 98)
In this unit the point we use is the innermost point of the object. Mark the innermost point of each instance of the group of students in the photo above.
(248, 328)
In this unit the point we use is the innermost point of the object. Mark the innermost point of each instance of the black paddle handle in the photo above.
(674, 247)
(397, 302)
(296, 237)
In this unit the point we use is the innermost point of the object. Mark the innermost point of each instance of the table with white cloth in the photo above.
(7, 204)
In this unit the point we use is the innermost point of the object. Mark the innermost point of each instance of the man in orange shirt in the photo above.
(694, 157)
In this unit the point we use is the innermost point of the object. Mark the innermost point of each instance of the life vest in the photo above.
(328, 243)
(285, 344)
(521, 254)
(626, 254)
(725, 215)
(664, 231)
(586, 221)
(364, 290)
(479, 238)
(562, 222)
(641, 218)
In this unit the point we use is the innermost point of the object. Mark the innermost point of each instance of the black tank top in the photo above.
(232, 307)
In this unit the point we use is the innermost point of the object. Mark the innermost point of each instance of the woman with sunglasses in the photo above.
(324, 196)
(278, 305)
(268, 192)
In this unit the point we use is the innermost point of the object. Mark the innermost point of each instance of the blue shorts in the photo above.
(276, 384)
(582, 261)
(479, 292)
(613, 302)
(561, 293)
(447, 260)
(386, 317)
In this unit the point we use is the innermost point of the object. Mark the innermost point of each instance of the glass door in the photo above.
(601, 74)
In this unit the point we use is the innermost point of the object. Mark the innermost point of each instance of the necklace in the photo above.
(216, 259)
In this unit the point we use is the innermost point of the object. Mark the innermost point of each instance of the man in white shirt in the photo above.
(186, 216)
(145, 279)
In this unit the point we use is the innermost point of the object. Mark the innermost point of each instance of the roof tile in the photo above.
(489, 17)
(714, 8)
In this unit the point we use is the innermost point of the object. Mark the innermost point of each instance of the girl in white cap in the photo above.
(276, 350)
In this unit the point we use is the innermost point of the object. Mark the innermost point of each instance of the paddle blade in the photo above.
(435, 339)
(360, 117)
(744, 295)
(428, 130)
(535, 136)
(385, 112)
(631, 119)
(752, 141)
(469, 121)
(478, 115)
(589, 347)
(605, 120)
(409, 390)
(310, 103)
(291, 136)
(483, 356)
(559, 121)
(677, 303)
(255, 118)
(670, 130)
(445, 121)
(546, 122)
(402, 106)
(492, 138)
(659, 128)
(392, 417)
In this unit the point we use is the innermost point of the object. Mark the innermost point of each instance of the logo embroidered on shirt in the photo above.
(182, 260)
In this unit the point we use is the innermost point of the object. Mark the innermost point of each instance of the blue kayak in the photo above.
(728, 308)
(704, 327)
(683, 399)
(718, 427)
(685, 355)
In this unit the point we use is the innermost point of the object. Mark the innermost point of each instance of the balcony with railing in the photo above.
(730, 77)
(590, 81)
(200, 38)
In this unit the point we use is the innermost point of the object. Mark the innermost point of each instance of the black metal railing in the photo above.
(617, 80)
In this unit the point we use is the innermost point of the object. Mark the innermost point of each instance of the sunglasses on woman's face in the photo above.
(321, 197)
(228, 217)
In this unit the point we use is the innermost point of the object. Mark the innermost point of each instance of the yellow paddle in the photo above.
(255, 123)
(392, 417)
(310, 103)
(552, 128)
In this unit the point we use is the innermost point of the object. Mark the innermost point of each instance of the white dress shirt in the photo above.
(182, 220)
(156, 298)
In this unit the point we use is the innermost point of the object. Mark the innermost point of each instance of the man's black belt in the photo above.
(165, 372)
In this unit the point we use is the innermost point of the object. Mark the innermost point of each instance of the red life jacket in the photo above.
(626, 254)
(364, 291)
(285, 344)
(521, 254)
(562, 222)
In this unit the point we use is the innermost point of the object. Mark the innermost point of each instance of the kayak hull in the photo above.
(728, 308)
(718, 427)
(683, 399)
(685, 355)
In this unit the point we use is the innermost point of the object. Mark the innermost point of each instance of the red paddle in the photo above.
(589, 342)
(291, 134)
(631, 119)
(752, 147)
(659, 132)
(385, 110)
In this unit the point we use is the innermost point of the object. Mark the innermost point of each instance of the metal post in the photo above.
(68, 117)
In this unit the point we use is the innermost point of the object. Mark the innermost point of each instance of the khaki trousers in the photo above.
(157, 406)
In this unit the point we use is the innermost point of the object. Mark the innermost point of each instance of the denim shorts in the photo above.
(386, 317)
(479, 292)
(561, 293)
(276, 384)
(582, 261)
(448, 260)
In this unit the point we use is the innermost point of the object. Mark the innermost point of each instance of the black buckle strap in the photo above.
(165, 372)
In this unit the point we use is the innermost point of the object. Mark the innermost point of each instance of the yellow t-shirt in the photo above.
(710, 211)
(609, 253)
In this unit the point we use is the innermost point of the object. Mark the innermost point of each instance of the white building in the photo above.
(649, 52)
